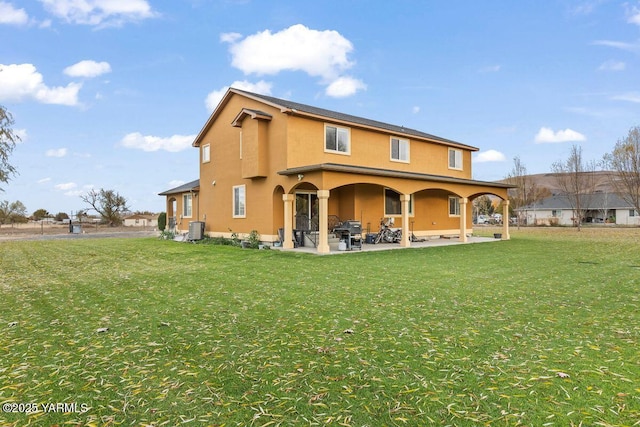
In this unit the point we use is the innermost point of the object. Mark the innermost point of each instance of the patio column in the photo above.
(505, 220)
(404, 199)
(287, 242)
(463, 219)
(323, 223)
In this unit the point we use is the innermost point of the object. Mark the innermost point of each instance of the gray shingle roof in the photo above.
(181, 188)
(350, 118)
(593, 201)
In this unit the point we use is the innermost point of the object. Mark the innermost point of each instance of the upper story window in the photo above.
(187, 203)
(337, 140)
(455, 159)
(206, 153)
(239, 201)
(399, 150)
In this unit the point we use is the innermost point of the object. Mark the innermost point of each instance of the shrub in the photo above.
(162, 221)
(167, 235)
(254, 239)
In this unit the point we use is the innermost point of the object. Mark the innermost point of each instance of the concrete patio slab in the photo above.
(395, 246)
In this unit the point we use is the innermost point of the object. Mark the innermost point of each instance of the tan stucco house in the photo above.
(270, 164)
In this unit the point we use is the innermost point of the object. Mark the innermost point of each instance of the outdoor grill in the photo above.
(351, 233)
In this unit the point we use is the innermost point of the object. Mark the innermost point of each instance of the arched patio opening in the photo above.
(172, 208)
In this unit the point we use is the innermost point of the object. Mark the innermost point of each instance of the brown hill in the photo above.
(550, 182)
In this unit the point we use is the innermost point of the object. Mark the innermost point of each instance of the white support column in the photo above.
(404, 199)
(505, 220)
(288, 221)
(323, 224)
(463, 219)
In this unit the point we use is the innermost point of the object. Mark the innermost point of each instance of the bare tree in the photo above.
(108, 203)
(525, 191)
(8, 139)
(483, 205)
(624, 162)
(12, 212)
(576, 180)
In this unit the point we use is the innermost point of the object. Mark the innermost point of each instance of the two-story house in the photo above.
(270, 164)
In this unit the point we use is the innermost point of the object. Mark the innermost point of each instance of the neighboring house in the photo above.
(139, 220)
(270, 164)
(599, 208)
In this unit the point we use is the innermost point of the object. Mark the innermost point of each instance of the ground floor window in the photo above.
(392, 203)
(239, 201)
(187, 200)
(555, 213)
(633, 212)
(454, 206)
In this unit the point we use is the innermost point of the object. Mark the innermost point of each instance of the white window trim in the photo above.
(184, 205)
(384, 204)
(458, 156)
(338, 128)
(449, 206)
(233, 201)
(206, 153)
(400, 143)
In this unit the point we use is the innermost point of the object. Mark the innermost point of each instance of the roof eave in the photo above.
(364, 170)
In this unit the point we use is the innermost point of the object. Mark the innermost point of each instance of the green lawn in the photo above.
(540, 330)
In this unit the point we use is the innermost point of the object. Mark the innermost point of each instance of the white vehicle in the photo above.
(482, 219)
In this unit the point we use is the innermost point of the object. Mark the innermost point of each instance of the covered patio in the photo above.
(360, 193)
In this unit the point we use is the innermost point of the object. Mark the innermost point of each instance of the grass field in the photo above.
(542, 330)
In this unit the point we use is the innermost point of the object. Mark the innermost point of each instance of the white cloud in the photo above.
(11, 15)
(631, 47)
(585, 8)
(173, 144)
(22, 134)
(415, 110)
(214, 98)
(344, 86)
(56, 152)
(323, 54)
(230, 37)
(297, 48)
(20, 81)
(66, 186)
(547, 135)
(100, 13)
(44, 180)
(489, 156)
(630, 97)
(491, 69)
(634, 15)
(88, 68)
(612, 66)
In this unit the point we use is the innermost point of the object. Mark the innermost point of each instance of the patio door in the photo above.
(307, 211)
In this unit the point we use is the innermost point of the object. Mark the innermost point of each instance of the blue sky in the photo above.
(110, 93)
